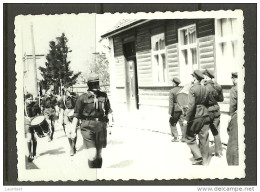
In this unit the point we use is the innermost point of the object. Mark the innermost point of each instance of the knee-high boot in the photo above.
(34, 148)
(30, 157)
(75, 141)
(99, 162)
(71, 147)
(29, 145)
(92, 164)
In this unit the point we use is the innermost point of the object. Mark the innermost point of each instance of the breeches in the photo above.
(232, 146)
(200, 127)
(177, 117)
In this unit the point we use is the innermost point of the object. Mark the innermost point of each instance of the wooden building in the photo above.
(146, 54)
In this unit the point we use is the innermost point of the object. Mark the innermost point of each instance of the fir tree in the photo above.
(57, 71)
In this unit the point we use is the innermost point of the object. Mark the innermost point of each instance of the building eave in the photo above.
(124, 28)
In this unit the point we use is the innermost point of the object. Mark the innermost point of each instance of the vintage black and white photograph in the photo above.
(130, 96)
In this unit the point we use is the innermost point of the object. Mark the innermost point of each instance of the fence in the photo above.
(82, 88)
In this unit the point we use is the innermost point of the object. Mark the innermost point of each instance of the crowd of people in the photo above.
(201, 114)
(91, 113)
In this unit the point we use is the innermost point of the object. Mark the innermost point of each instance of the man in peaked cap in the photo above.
(175, 111)
(93, 109)
(197, 120)
(232, 146)
(215, 96)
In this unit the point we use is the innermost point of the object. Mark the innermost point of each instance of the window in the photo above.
(159, 59)
(188, 51)
(226, 48)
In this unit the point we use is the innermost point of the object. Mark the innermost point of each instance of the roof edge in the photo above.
(124, 28)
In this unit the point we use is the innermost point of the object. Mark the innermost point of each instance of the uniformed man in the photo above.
(93, 108)
(197, 120)
(175, 111)
(49, 107)
(232, 146)
(66, 105)
(32, 109)
(215, 96)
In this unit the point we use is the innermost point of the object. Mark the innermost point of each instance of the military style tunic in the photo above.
(232, 146)
(198, 102)
(215, 96)
(172, 100)
(233, 100)
(67, 103)
(198, 121)
(175, 112)
(92, 108)
(32, 110)
(48, 104)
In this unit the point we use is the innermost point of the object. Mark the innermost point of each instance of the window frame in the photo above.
(188, 48)
(231, 41)
(155, 66)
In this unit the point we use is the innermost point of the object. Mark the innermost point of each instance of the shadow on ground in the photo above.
(122, 164)
(30, 165)
(115, 142)
(57, 151)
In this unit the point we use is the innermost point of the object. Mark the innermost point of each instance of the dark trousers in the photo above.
(200, 127)
(177, 117)
(215, 130)
(232, 146)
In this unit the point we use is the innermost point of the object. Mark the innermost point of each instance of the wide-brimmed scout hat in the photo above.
(93, 77)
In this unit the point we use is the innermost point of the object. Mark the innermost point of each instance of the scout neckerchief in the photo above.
(94, 93)
(95, 99)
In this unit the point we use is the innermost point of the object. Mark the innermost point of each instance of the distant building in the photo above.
(29, 73)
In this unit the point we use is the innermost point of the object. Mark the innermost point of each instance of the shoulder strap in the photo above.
(64, 102)
(25, 110)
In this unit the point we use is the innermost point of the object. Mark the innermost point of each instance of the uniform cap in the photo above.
(209, 73)
(93, 77)
(198, 74)
(176, 80)
(234, 75)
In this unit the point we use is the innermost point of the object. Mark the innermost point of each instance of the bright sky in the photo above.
(79, 29)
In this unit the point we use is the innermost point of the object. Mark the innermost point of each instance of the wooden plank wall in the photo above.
(206, 43)
(206, 51)
(143, 56)
(154, 96)
(172, 61)
(171, 35)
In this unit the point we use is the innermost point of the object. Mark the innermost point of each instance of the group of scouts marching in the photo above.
(203, 114)
(90, 111)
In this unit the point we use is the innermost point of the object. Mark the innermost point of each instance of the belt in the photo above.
(102, 119)
(93, 118)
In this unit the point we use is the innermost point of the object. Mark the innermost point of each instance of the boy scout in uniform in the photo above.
(232, 146)
(215, 96)
(197, 120)
(31, 110)
(93, 108)
(67, 105)
(49, 104)
(175, 111)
